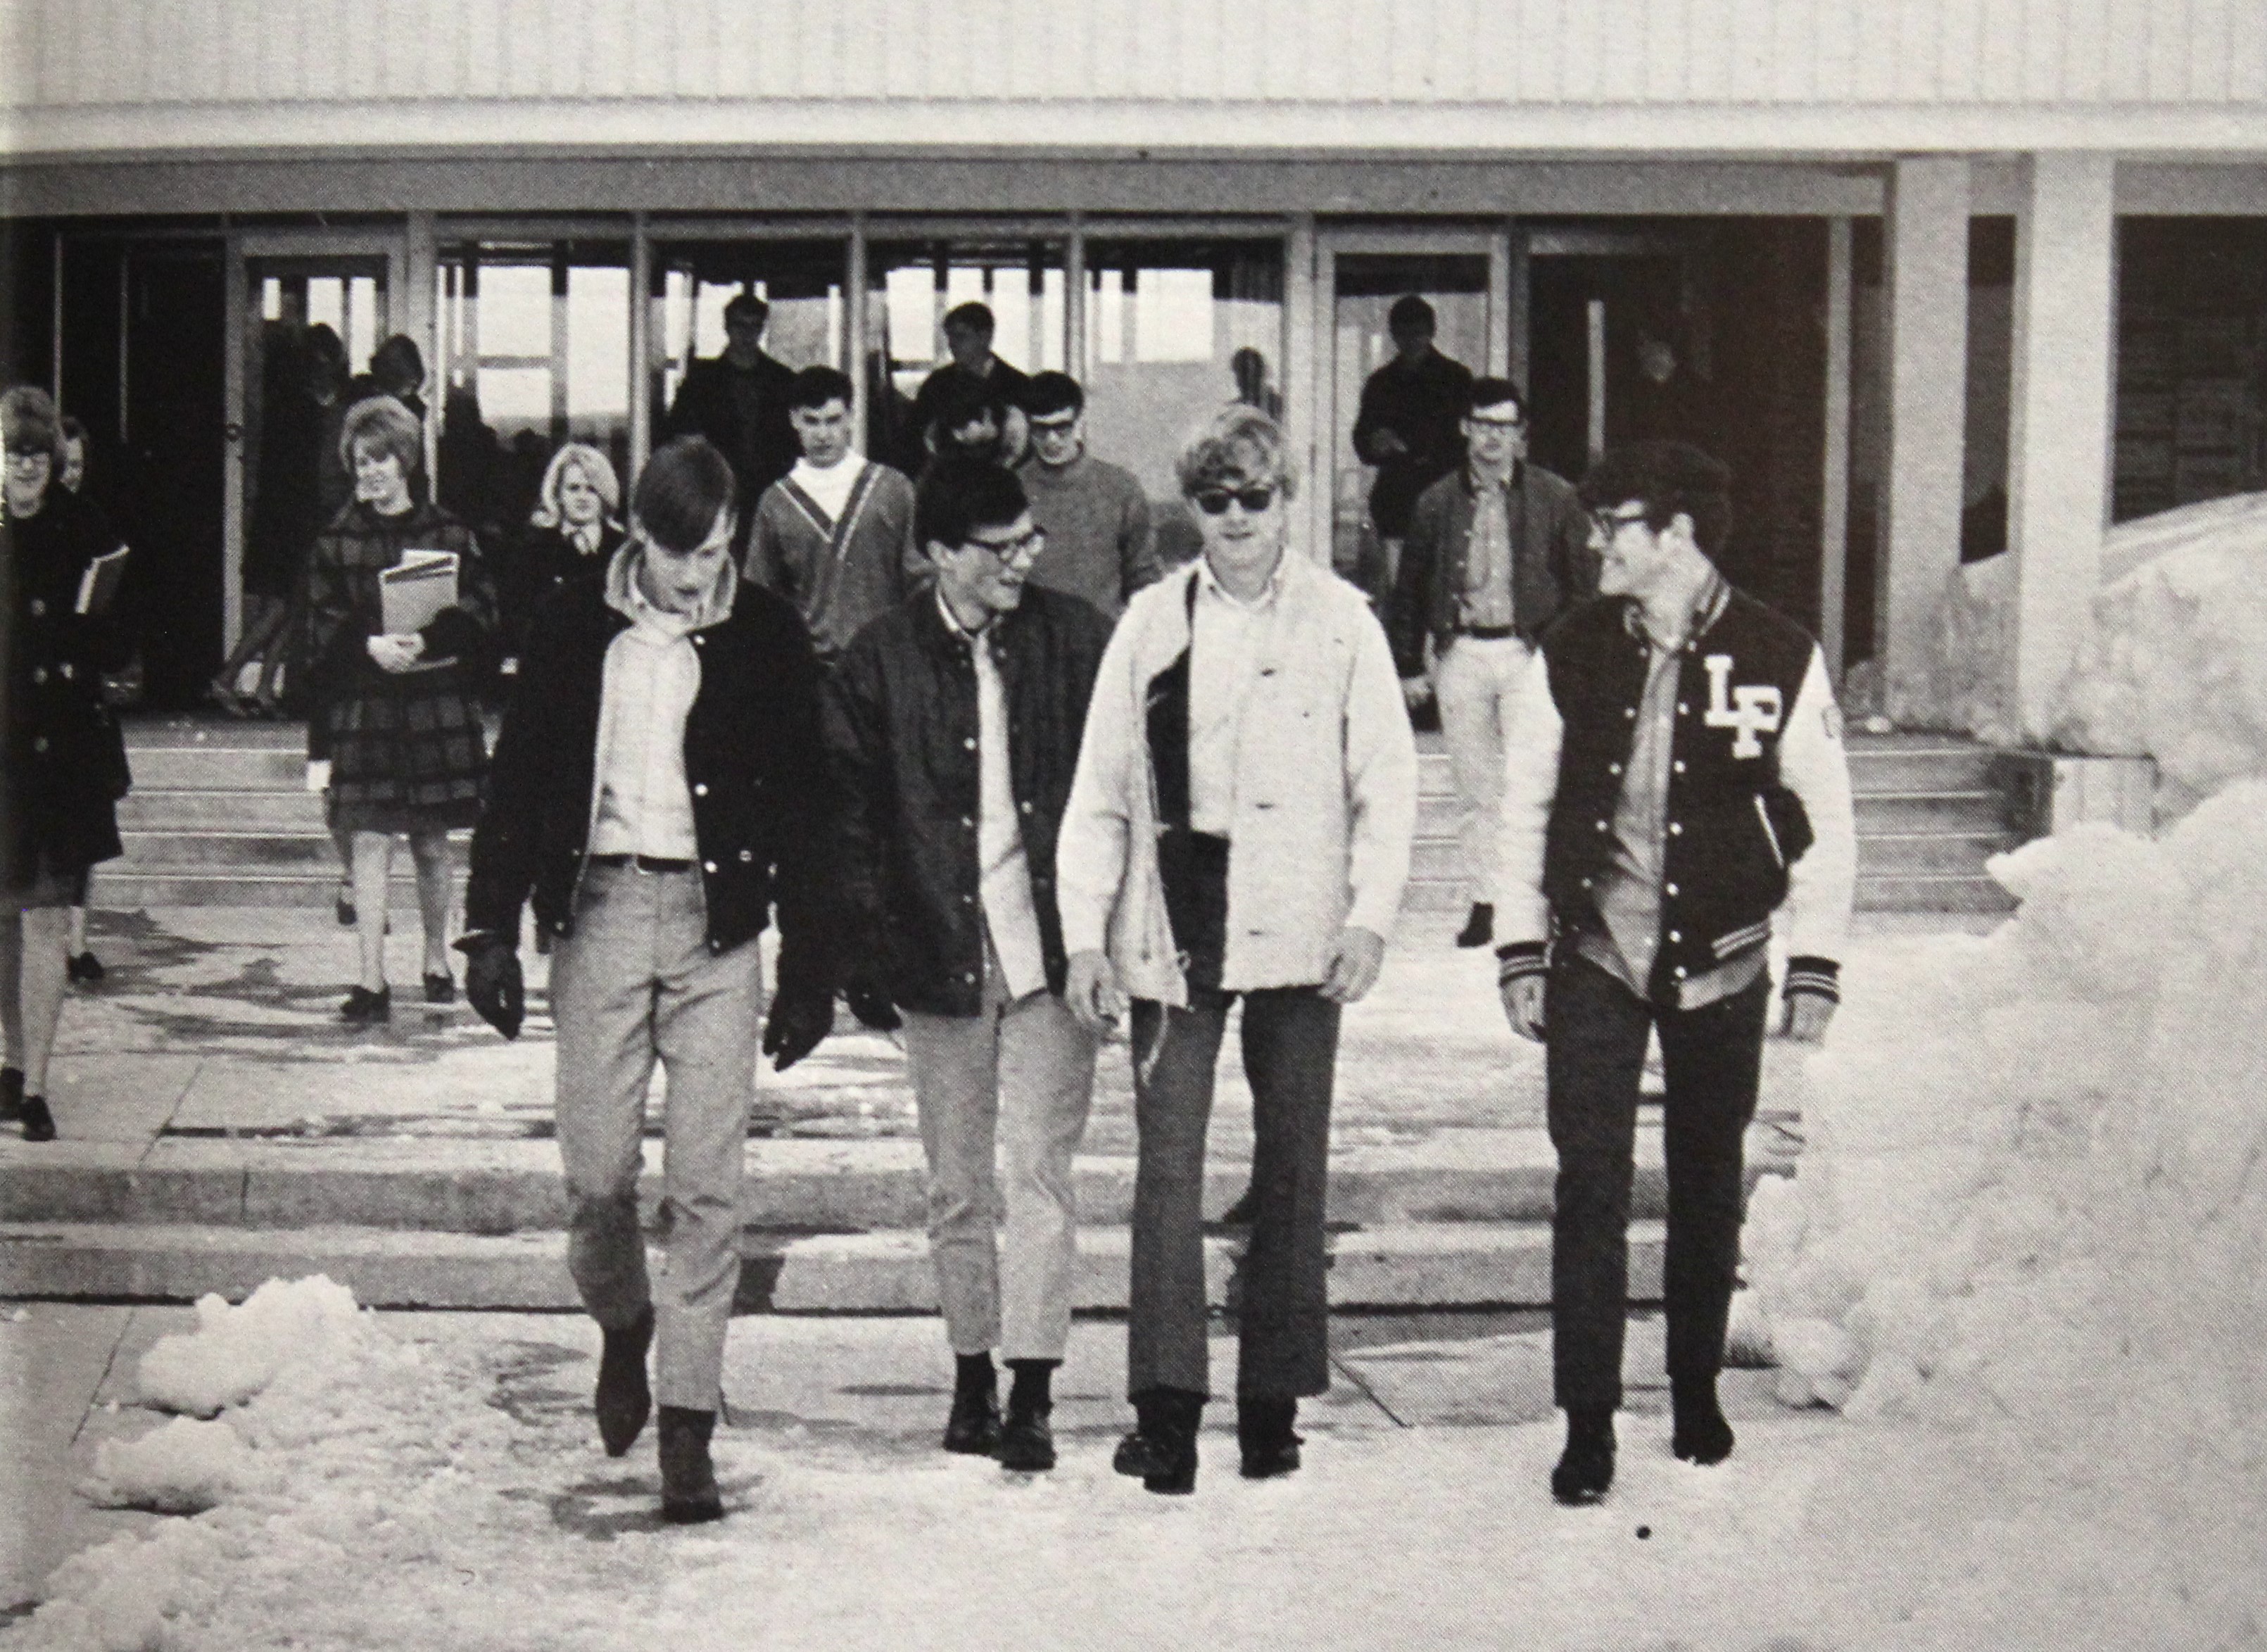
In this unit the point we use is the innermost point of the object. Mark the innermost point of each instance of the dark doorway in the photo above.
(1609, 358)
(172, 504)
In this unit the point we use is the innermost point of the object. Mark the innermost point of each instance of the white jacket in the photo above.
(1326, 793)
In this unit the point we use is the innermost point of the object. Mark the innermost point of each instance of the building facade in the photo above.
(1938, 278)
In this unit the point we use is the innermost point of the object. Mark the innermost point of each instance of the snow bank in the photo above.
(2032, 1197)
(2174, 663)
(183, 1468)
(303, 1327)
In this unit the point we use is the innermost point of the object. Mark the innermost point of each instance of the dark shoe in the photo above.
(688, 1478)
(85, 969)
(363, 1008)
(974, 1427)
(441, 989)
(1161, 1452)
(1699, 1433)
(1479, 926)
(1264, 1434)
(11, 1094)
(343, 907)
(38, 1123)
(1026, 1442)
(624, 1401)
(1586, 1468)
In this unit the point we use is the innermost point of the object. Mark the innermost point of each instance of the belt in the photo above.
(1490, 633)
(639, 862)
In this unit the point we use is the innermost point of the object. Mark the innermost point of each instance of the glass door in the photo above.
(1396, 310)
(308, 312)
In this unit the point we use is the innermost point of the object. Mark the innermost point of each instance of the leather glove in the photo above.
(870, 1001)
(493, 986)
(797, 1024)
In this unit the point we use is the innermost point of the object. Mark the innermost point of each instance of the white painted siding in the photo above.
(61, 61)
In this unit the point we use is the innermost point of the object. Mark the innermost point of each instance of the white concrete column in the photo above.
(1927, 245)
(2058, 454)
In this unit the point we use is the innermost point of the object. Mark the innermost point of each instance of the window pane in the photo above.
(1175, 331)
(534, 343)
(910, 287)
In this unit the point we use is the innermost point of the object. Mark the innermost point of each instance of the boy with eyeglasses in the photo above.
(1676, 786)
(952, 722)
(1496, 551)
(1100, 546)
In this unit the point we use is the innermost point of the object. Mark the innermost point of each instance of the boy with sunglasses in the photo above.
(952, 721)
(1240, 828)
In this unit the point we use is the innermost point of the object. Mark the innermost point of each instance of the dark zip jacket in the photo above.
(760, 797)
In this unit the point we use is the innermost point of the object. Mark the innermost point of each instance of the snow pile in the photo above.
(1971, 666)
(183, 1468)
(300, 1329)
(2174, 663)
(2033, 1199)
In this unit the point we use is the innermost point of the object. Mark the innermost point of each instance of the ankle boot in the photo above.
(39, 1122)
(11, 1094)
(972, 1427)
(1161, 1451)
(1699, 1433)
(1586, 1468)
(688, 1478)
(1265, 1436)
(1027, 1441)
(624, 1400)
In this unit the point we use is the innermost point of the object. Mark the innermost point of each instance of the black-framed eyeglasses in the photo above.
(1213, 501)
(1022, 549)
(1612, 522)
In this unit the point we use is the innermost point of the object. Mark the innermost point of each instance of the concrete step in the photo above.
(1903, 853)
(118, 889)
(249, 851)
(216, 767)
(810, 1187)
(1921, 763)
(206, 809)
(1909, 812)
(1466, 1265)
(1427, 897)
(1927, 891)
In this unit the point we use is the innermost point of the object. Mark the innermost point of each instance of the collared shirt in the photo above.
(642, 802)
(1488, 555)
(1004, 874)
(1629, 894)
(1222, 636)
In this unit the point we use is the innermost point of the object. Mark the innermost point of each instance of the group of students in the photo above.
(1016, 830)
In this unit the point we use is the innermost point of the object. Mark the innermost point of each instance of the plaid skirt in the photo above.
(410, 759)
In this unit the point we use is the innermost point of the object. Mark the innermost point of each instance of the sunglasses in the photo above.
(1213, 501)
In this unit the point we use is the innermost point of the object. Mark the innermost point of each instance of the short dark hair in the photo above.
(1494, 393)
(1051, 393)
(955, 497)
(72, 430)
(816, 386)
(684, 487)
(972, 314)
(746, 303)
(1410, 311)
(962, 400)
(1666, 478)
(398, 364)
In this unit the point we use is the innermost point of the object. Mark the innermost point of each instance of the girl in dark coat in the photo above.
(406, 752)
(61, 773)
(573, 530)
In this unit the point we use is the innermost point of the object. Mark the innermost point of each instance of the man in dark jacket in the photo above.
(1676, 785)
(740, 401)
(1406, 424)
(658, 785)
(953, 722)
(1496, 550)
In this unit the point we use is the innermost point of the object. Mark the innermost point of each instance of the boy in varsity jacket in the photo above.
(1675, 785)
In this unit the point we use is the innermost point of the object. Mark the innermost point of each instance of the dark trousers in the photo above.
(1712, 1058)
(1291, 1055)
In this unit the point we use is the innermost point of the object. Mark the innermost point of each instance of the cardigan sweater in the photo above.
(1326, 801)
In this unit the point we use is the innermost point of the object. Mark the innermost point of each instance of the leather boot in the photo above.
(1586, 1468)
(1161, 1451)
(624, 1401)
(972, 1427)
(1698, 1433)
(688, 1478)
(1265, 1436)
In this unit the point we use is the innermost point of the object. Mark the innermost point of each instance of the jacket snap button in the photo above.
(707, 866)
(968, 822)
(700, 789)
(39, 607)
(1678, 972)
(1678, 766)
(1682, 709)
(968, 978)
(40, 744)
(1585, 882)
(968, 744)
(1674, 937)
(1668, 889)
(1630, 712)
(1027, 808)
(747, 855)
(700, 641)
(1613, 768)
(1602, 826)
(38, 673)
(1675, 830)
